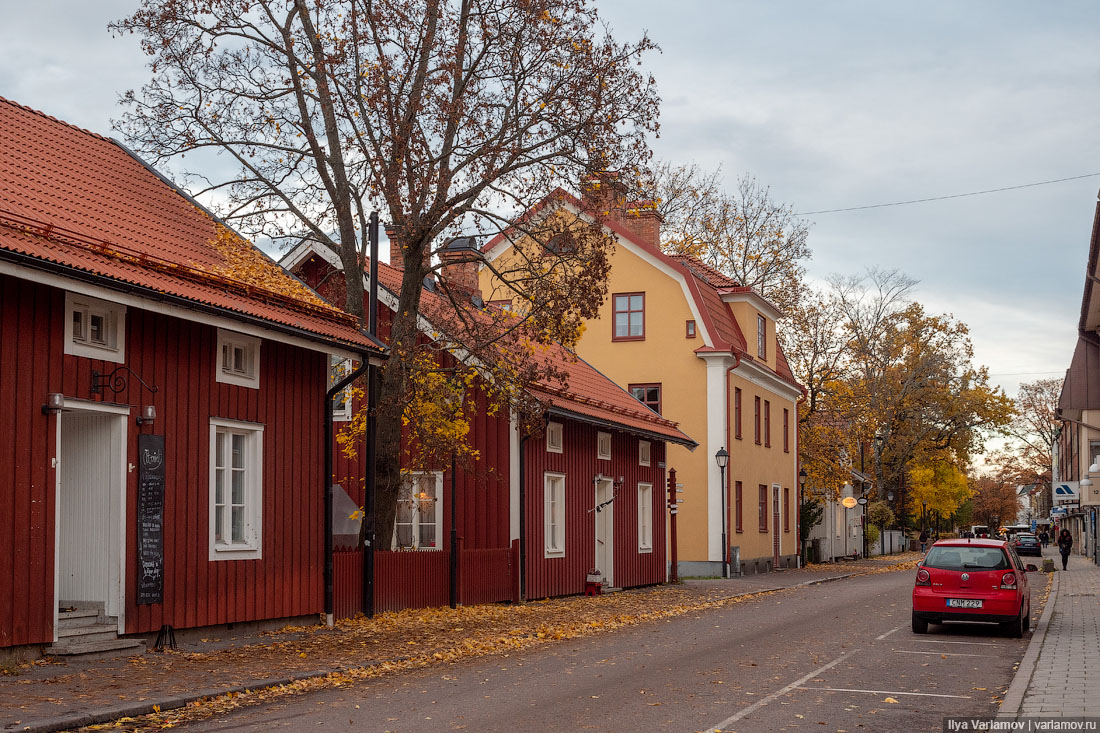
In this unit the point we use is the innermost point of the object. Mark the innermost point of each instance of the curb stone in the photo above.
(1014, 696)
(174, 702)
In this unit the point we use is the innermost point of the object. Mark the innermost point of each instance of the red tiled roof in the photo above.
(705, 272)
(80, 200)
(589, 393)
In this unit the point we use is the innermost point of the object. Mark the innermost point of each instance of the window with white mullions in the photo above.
(236, 489)
(94, 328)
(419, 511)
(645, 517)
(554, 515)
(341, 402)
(238, 359)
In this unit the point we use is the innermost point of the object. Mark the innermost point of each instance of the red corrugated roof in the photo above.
(77, 199)
(588, 393)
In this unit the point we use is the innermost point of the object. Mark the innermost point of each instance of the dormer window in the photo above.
(603, 446)
(95, 328)
(238, 359)
(761, 336)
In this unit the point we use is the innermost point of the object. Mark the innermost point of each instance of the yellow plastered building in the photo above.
(701, 350)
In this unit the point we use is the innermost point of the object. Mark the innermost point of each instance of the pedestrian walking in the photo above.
(1044, 538)
(1065, 544)
(924, 540)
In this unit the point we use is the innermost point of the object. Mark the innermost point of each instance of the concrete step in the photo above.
(77, 618)
(81, 634)
(97, 649)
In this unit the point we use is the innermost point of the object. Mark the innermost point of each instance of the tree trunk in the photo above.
(404, 334)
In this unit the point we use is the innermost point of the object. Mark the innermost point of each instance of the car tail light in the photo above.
(923, 578)
(1008, 580)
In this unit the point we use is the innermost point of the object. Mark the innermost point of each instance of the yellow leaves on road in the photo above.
(890, 700)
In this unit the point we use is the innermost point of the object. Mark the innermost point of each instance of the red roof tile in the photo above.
(80, 200)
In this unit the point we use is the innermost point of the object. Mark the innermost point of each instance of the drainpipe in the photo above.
(335, 390)
(726, 523)
(522, 519)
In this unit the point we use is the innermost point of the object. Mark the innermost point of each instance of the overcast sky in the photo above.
(832, 105)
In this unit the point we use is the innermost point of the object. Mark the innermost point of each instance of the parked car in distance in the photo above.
(1027, 544)
(976, 580)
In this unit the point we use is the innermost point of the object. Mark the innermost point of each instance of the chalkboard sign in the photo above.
(150, 518)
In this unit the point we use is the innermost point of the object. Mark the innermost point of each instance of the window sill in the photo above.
(231, 552)
(645, 550)
(551, 554)
(628, 338)
(238, 380)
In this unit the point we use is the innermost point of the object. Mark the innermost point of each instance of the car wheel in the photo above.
(920, 626)
(1014, 629)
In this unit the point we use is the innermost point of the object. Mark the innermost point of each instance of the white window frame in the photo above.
(114, 316)
(645, 453)
(340, 367)
(251, 346)
(555, 437)
(252, 546)
(438, 518)
(553, 495)
(603, 446)
(645, 517)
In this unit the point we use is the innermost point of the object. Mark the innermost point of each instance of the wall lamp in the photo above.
(148, 414)
(54, 402)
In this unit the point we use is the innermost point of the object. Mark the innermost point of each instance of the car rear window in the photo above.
(966, 558)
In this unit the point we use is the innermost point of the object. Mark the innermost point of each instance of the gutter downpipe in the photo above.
(725, 494)
(367, 585)
(522, 519)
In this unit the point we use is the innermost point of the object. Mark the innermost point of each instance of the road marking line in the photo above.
(946, 654)
(778, 693)
(939, 641)
(884, 692)
(883, 636)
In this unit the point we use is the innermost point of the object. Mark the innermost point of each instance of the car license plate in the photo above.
(964, 603)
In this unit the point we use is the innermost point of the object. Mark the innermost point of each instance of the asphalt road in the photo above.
(838, 656)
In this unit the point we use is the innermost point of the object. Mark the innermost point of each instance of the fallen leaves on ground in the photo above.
(394, 642)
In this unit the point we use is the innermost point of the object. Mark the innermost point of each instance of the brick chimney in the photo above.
(604, 194)
(397, 257)
(460, 257)
(642, 218)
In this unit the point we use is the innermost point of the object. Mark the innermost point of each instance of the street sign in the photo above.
(848, 502)
(861, 500)
(1066, 492)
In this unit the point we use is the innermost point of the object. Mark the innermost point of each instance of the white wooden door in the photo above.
(605, 531)
(88, 509)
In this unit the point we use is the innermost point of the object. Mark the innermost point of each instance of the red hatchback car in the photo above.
(972, 580)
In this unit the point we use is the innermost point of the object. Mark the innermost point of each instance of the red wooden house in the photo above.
(162, 423)
(586, 494)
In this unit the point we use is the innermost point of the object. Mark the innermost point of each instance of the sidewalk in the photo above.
(53, 695)
(1060, 673)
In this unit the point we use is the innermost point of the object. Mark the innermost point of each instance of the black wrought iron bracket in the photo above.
(115, 381)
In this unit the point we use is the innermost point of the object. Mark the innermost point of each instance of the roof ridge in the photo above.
(51, 118)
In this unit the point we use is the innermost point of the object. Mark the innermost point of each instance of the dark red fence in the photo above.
(422, 579)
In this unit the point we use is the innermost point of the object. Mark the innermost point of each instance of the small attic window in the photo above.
(238, 359)
(553, 437)
(689, 330)
(95, 328)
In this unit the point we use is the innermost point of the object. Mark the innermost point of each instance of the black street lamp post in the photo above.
(801, 498)
(722, 458)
